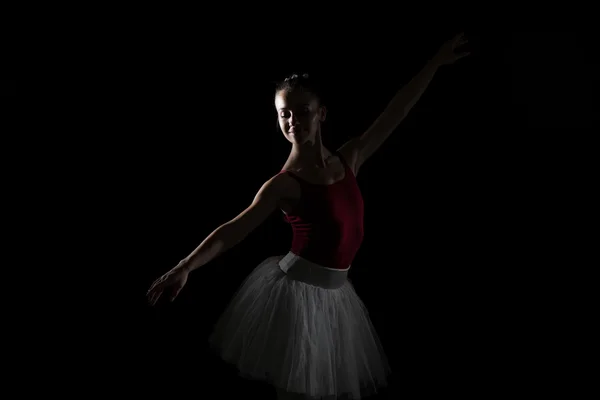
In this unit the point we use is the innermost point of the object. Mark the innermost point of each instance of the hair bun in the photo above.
(302, 81)
(295, 77)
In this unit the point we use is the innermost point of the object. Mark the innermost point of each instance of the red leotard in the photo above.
(327, 223)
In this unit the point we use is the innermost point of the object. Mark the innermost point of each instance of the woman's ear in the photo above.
(323, 113)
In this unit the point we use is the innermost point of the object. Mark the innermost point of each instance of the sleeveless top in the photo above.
(327, 222)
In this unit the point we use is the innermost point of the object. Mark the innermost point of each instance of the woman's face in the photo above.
(299, 115)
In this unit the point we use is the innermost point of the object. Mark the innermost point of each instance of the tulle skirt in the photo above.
(303, 329)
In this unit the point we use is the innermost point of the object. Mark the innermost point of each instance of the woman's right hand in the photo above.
(169, 285)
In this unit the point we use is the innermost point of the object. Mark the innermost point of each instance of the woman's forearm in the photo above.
(410, 94)
(220, 240)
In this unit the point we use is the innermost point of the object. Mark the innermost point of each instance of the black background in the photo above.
(470, 206)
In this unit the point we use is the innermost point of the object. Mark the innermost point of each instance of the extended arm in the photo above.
(221, 239)
(231, 233)
(359, 149)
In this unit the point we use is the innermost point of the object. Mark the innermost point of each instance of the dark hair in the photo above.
(302, 81)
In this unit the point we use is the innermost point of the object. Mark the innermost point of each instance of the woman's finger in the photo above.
(150, 296)
(160, 281)
(459, 37)
(154, 298)
(154, 286)
(461, 55)
(175, 294)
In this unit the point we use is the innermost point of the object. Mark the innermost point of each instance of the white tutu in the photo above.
(304, 331)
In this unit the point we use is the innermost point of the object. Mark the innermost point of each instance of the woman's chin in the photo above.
(297, 136)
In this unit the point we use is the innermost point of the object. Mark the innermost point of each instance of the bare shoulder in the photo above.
(281, 186)
(269, 197)
(286, 189)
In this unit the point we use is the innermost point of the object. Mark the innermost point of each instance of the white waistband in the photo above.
(301, 269)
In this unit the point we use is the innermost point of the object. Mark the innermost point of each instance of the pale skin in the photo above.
(300, 116)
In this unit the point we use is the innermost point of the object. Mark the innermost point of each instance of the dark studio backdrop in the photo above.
(463, 204)
(8, 87)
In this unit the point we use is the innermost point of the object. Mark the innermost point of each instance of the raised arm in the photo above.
(359, 149)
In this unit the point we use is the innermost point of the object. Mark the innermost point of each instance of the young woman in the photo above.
(296, 322)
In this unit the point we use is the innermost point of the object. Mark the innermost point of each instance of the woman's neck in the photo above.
(308, 156)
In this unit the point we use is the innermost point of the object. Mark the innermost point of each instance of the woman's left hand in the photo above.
(447, 54)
